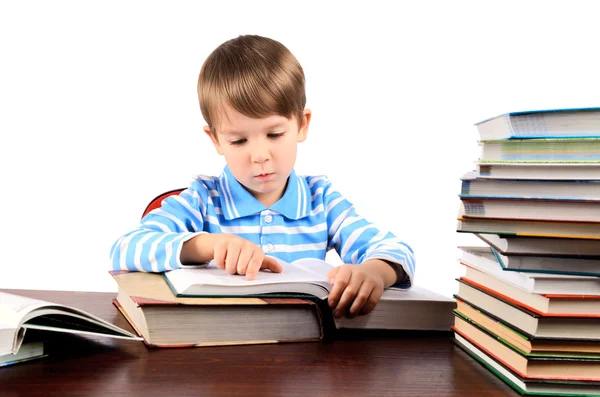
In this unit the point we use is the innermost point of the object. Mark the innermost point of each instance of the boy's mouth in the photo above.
(265, 176)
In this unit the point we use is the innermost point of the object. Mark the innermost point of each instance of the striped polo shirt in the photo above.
(310, 219)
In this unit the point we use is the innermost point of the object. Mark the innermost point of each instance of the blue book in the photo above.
(555, 123)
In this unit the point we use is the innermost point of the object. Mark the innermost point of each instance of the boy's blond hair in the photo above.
(256, 76)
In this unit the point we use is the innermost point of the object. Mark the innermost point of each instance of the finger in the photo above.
(349, 295)
(372, 301)
(219, 253)
(332, 273)
(362, 297)
(231, 259)
(243, 260)
(339, 285)
(254, 265)
(270, 263)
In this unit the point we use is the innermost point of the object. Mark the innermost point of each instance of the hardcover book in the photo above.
(165, 320)
(399, 308)
(540, 246)
(528, 386)
(538, 171)
(542, 304)
(528, 344)
(535, 367)
(547, 281)
(576, 122)
(524, 227)
(527, 321)
(532, 209)
(577, 190)
(20, 313)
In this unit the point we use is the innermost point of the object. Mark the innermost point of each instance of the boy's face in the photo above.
(260, 153)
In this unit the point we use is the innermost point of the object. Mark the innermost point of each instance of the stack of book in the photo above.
(528, 305)
(208, 307)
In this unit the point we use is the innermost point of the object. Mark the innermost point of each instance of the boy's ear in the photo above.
(213, 139)
(303, 131)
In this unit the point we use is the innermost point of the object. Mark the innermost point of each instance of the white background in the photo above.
(98, 112)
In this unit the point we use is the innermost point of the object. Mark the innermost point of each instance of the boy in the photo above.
(252, 96)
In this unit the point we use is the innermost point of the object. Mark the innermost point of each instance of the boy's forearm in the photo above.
(200, 248)
(382, 269)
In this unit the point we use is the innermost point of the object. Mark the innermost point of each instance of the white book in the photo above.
(19, 313)
(304, 276)
(558, 150)
(561, 123)
(542, 246)
(538, 171)
(532, 210)
(486, 261)
(475, 187)
(412, 308)
(526, 227)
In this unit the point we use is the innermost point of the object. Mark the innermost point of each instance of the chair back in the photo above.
(157, 201)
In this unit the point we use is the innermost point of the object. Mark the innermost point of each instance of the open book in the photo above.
(413, 308)
(19, 313)
(304, 276)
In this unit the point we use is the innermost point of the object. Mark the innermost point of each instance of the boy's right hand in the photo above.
(239, 256)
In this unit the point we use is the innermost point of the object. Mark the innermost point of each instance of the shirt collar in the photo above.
(237, 202)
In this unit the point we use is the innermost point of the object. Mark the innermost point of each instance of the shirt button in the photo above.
(269, 247)
(269, 218)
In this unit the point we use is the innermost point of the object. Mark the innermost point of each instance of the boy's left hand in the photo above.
(354, 290)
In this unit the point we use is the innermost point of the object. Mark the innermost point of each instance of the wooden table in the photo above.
(355, 364)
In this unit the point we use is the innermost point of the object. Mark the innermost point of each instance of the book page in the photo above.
(414, 293)
(13, 308)
(20, 312)
(304, 270)
(7, 338)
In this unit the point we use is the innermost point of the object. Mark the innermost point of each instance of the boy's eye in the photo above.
(275, 135)
(238, 141)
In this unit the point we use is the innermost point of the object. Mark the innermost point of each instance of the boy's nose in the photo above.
(260, 155)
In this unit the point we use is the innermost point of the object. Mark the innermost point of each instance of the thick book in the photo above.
(487, 260)
(528, 344)
(543, 304)
(579, 190)
(462, 321)
(549, 265)
(165, 320)
(416, 308)
(523, 227)
(527, 321)
(559, 150)
(540, 246)
(535, 367)
(528, 386)
(532, 209)
(538, 171)
(19, 313)
(398, 308)
(558, 123)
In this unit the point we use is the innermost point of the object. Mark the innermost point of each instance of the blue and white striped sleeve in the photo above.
(155, 246)
(356, 240)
